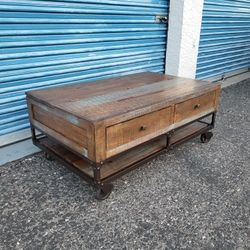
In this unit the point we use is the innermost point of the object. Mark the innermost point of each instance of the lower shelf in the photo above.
(126, 159)
(187, 131)
(111, 166)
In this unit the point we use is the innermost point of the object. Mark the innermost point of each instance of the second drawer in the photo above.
(195, 107)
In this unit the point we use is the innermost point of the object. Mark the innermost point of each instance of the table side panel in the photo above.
(61, 126)
(66, 129)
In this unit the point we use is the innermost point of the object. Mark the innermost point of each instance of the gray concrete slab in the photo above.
(193, 197)
(17, 151)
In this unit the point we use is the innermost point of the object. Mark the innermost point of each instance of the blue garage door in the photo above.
(225, 37)
(51, 43)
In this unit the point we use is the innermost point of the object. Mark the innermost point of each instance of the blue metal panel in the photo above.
(225, 38)
(51, 43)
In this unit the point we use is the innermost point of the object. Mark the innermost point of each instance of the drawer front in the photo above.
(138, 130)
(197, 106)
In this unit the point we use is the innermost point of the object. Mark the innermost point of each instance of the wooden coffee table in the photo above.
(106, 128)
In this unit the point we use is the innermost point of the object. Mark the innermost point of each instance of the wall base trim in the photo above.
(17, 151)
(234, 79)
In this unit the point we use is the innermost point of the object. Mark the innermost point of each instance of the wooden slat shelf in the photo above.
(112, 166)
(123, 160)
(187, 131)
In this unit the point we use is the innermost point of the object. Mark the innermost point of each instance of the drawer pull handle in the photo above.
(197, 106)
(143, 128)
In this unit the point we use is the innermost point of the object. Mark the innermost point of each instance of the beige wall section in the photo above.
(185, 18)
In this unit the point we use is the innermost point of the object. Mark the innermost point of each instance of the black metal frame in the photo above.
(104, 186)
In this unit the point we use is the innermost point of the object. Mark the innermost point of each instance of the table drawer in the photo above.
(196, 106)
(138, 130)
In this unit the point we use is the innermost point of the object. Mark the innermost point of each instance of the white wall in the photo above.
(185, 18)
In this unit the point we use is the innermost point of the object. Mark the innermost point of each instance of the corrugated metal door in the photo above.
(50, 43)
(225, 37)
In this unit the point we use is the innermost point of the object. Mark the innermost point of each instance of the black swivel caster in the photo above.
(49, 157)
(206, 137)
(104, 191)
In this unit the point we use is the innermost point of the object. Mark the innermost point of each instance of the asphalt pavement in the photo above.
(195, 196)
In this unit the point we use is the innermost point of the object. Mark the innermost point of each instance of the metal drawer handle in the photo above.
(197, 106)
(143, 128)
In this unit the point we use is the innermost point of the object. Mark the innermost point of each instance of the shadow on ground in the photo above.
(194, 197)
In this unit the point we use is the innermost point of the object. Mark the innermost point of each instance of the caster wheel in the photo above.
(104, 191)
(206, 137)
(49, 157)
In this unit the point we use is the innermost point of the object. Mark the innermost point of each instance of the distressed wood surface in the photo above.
(121, 98)
(69, 130)
(102, 119)
(130, 133)
(72, 132)
(194, 106)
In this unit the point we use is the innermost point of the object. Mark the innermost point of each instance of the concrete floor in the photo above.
(193, 197)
